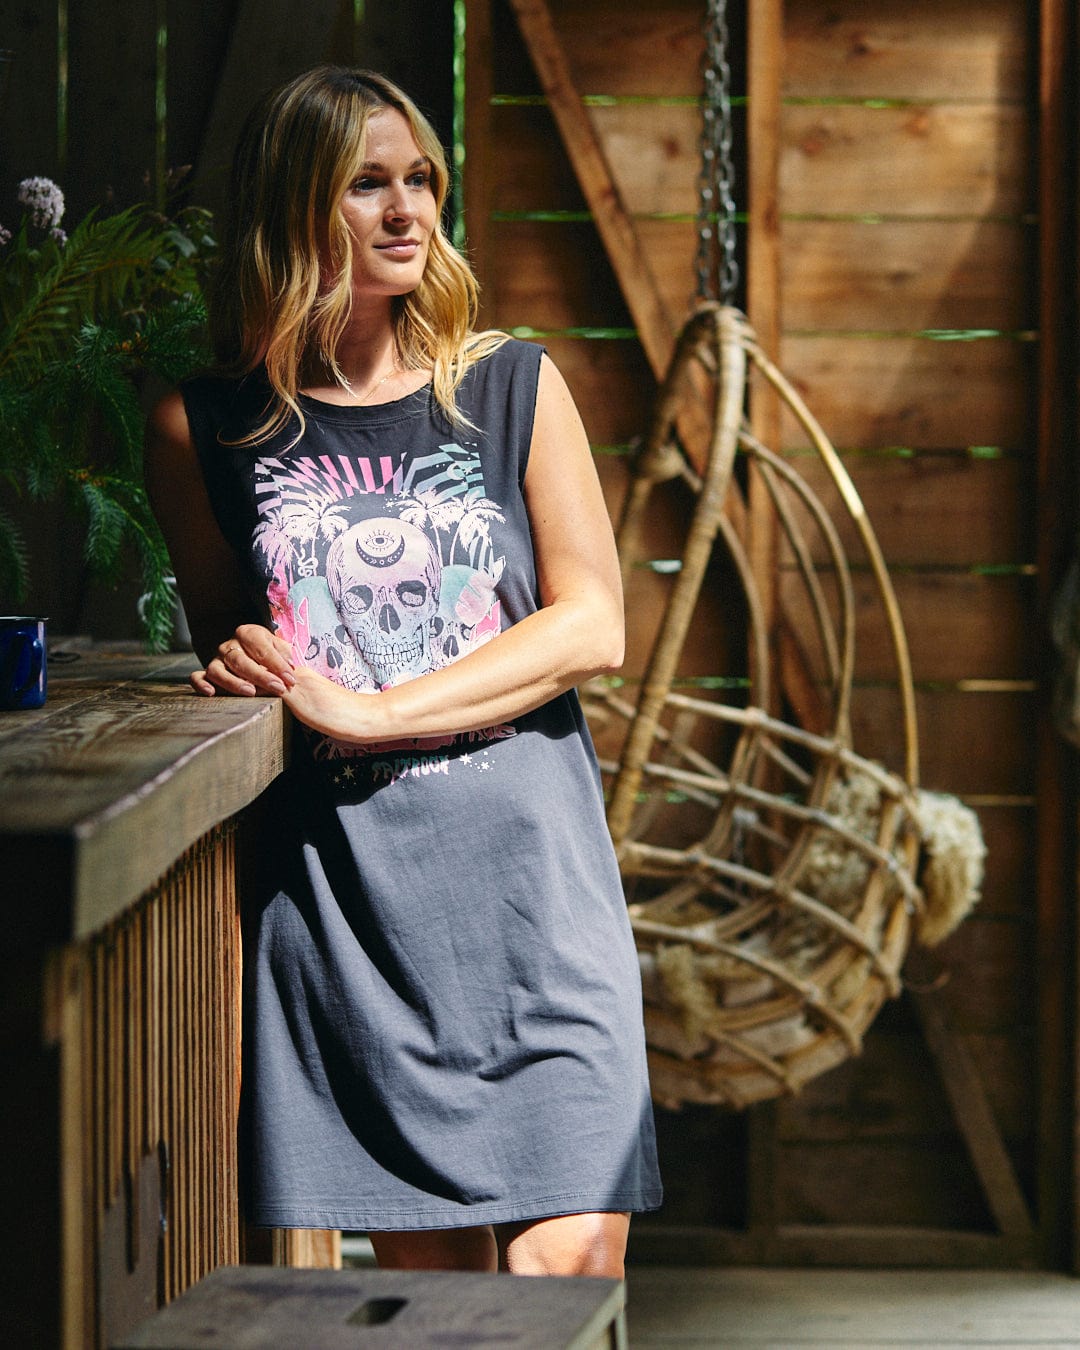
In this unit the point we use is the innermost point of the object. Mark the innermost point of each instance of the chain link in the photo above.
(716, 267)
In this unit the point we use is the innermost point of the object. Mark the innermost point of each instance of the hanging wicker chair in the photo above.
(770, 870)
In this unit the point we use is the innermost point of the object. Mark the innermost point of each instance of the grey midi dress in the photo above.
(443, 1021)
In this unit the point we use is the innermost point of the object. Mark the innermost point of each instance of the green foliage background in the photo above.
(83, 322)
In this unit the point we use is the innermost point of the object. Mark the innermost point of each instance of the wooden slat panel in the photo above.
(654, 154)
(593, 171)
(910, 275)
(873, 392)
(939, 161)
(553, 275)
(948, 510)
(975, 744)
(891, 1090)
(1009, 834)
(919, 1182)
(613, 48)
(117, 114)
(482, 153)
(616, 48)
(266, 47)
(163, 1047)
(927, 49)
(30, 35)
(835, 160)
(988, 966)
(958, 626)
(611, 384)
(195, 53)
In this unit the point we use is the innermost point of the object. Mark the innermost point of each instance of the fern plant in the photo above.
(84, 319)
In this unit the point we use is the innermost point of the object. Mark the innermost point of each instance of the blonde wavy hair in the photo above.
(281, 295)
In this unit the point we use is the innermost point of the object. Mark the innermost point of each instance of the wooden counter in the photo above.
(120, 804)
(124, 768)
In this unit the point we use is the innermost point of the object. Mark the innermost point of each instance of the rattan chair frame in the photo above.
(781, 982)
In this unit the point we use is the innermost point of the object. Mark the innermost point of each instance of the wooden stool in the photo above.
(279, 1308)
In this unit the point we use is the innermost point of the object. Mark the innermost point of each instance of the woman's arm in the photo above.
(225, 629)
(576, 634)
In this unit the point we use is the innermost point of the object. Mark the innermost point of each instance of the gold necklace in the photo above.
(362, 398)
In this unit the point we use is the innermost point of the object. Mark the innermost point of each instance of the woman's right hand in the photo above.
(215, 588)
(252, 661)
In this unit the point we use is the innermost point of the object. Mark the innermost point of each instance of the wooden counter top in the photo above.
(107, 784)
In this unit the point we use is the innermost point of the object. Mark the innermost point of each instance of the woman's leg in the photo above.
(437, 1249)
(570, 1244)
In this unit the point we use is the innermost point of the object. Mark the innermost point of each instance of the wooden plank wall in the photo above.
(908, 319)
(909, 315)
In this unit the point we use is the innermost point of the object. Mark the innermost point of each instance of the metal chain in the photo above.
(717, 268)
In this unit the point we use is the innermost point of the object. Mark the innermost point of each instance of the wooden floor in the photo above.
(744, 1308)
(676, 1307)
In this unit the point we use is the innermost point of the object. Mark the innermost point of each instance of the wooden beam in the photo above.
(597, 184)
(1056, 894)
(765, 58)
(974, 1118)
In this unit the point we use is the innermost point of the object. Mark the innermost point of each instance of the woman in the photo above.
(393, 525)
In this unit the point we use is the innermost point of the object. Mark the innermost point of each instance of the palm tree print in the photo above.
(276, 546)
(474, 528)
(428, 509)
(310, 519)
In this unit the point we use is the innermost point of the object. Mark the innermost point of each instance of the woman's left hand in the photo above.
(330, 708)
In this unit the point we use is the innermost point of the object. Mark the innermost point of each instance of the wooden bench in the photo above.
(278, 1308)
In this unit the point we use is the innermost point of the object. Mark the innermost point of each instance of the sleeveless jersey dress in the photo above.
(443, 1021)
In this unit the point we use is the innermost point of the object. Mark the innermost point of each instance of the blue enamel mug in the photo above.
(23, 661)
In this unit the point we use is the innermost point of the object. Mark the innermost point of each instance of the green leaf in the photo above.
(106, 526)
(14, 566)
(45, 303)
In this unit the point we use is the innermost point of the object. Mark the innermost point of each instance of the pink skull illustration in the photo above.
(384, 576)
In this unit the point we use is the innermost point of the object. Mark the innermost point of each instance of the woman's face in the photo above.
(390, 209)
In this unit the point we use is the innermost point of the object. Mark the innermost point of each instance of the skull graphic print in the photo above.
(379, 574)
(384, 578)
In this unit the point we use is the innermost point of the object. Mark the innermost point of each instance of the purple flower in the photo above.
(43, 199)
(5, 235)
